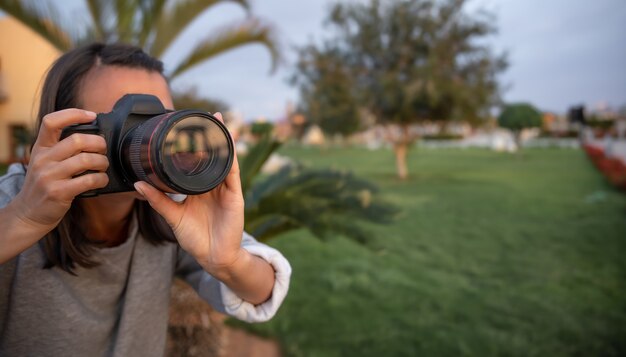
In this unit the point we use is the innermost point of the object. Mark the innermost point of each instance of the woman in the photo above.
(91, 276)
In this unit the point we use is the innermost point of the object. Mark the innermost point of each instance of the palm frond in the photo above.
(270, 225)
(126, 12)
(151, 12)
(97, 10)
(249, 31)
(254, 160)
(326, 202)
(173, 21)
(43, 18)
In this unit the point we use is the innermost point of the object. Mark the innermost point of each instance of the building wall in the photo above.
(24, 59)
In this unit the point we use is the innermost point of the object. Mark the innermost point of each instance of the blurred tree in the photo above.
(151, 24)
(190, 99)
(326, 91)
(412, 61)
(517, 117)
(261, 128)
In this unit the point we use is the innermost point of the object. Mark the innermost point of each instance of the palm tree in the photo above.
(153, 25)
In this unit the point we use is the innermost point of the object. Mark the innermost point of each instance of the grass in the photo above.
(493, 255)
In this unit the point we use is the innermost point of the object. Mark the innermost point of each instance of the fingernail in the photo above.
(90, 114)
(138, 188)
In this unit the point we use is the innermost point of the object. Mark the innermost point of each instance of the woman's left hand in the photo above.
(207, 226)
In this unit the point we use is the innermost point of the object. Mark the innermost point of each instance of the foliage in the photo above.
(416, 60)
(190, 99)
(22, 136)
(326, 91)
(261, 128)
(326, 202)
(443, 136)
(595, 122)
(520, 116)
(153, 25)
(491, 256)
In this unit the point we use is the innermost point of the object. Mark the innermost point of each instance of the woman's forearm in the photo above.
(250, 277)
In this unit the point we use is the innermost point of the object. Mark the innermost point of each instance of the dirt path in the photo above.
(197, 330)
(239, 343)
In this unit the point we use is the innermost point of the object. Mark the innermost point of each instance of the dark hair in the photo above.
(66, 245)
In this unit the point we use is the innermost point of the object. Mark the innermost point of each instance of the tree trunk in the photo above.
(400, 137)
(517, 137)
(401, 150)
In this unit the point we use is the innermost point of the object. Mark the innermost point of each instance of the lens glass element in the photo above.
(196, 151)
(187, 143)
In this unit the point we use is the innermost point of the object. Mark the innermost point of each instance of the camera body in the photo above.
(144, 142)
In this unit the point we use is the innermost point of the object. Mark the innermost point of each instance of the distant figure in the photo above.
(576, 114)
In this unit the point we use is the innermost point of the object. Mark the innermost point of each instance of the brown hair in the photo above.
(66, 245)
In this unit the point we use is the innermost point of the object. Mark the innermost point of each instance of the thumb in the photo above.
(165, 206)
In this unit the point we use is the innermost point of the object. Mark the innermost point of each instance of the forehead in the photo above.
(104, 85)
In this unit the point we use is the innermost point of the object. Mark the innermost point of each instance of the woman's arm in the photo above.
(250, 277)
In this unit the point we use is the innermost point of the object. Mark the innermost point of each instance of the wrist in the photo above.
(18, 211)
(227, 272)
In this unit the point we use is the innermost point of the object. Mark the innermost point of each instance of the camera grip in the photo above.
(82, 129)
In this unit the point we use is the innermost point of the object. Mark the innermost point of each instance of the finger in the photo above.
(80, 184)
(233, 179)
(77, 143)
(80, 163)
(53, 123)
(164, 205)
(219, 117)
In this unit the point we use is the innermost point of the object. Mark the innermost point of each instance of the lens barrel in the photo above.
(186, 151)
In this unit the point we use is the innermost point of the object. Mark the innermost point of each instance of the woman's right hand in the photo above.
(51, 181)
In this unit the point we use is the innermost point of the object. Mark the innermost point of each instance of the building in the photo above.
(24, 59)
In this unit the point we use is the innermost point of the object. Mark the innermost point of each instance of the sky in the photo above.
(561, 53)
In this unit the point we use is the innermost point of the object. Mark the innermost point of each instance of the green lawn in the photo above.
(493, 255)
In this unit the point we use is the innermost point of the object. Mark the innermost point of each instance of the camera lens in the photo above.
(185, 151)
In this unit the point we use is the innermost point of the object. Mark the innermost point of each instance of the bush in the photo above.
(520, 116)
(443, 136)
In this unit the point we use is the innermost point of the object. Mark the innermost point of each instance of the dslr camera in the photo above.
(181, 151)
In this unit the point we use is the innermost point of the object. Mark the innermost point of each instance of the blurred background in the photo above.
(446, 177)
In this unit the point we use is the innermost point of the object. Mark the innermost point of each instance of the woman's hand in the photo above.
(51, 181)
(207, 226)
